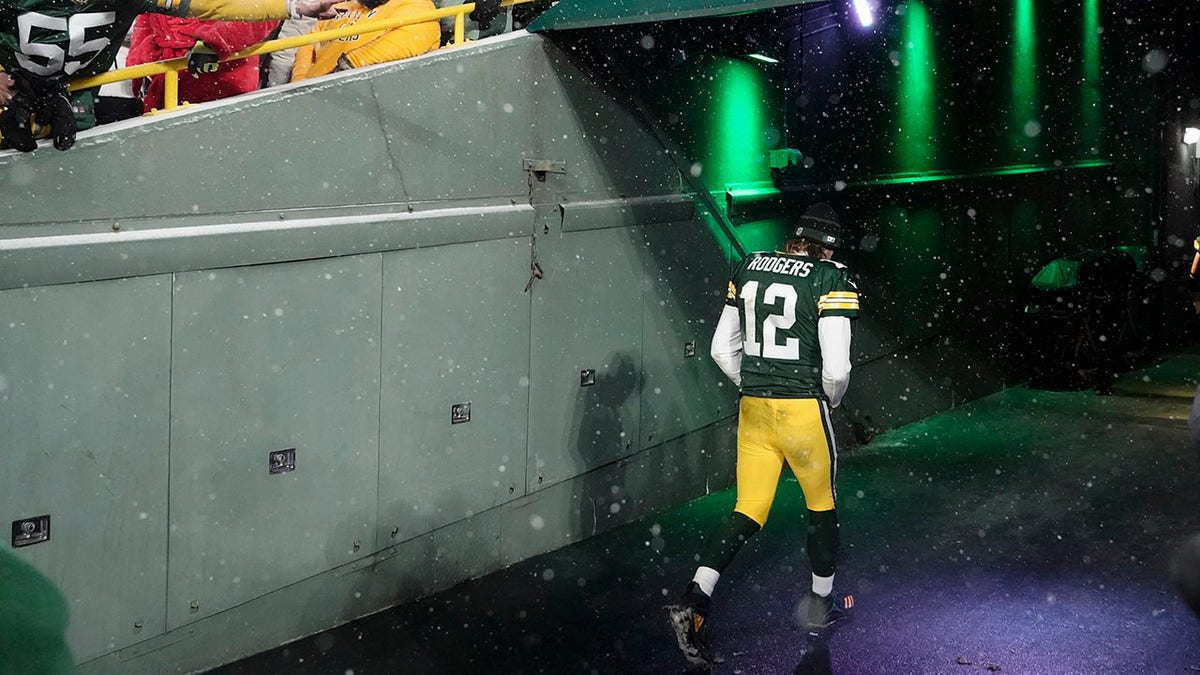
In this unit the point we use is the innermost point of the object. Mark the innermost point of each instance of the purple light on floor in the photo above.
(866, 16)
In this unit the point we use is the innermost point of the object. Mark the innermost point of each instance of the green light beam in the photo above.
(915, 148)
(1091, 110)
(1025, 127)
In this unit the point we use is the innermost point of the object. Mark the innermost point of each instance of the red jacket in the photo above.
(156, 37)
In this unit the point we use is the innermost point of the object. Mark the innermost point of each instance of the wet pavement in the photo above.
(1028, 532)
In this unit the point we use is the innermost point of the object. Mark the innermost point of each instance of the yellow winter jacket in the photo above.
(369, 48)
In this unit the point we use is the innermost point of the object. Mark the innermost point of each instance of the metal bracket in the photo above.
(540, 167)
(535, 272)
(460, 413)
(281, 461)
(29, 531)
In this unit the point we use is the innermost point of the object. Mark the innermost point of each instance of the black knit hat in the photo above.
(820, 224)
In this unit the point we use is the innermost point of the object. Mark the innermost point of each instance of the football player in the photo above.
(43, 43)
(784, 339)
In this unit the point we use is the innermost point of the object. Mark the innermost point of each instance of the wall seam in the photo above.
(166, 609)
(379, 418)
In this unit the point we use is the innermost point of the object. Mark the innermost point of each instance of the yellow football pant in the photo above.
(774, 430)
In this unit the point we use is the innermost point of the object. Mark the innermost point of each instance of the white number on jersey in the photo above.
(770, 349)
(56, 57)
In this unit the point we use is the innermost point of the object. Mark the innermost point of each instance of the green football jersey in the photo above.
(779, 298)
(61, 39)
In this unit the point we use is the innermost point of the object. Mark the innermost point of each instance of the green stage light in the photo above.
(1091, 110)
(914, 146)
(737, 123)
(1025, 129)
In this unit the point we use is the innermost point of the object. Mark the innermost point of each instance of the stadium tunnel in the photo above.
(277, 362)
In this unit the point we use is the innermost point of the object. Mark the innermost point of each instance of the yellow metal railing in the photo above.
(171, 67)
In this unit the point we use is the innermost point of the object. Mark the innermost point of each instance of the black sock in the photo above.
(823, 542)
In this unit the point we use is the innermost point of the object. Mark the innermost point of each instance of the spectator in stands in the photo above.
(6, 87)
(276, 67)
(483, 21)
(157, 37)
(367, 49)
(117, 101)
(37, 90)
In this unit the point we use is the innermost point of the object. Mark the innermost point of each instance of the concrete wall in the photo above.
(332, 269)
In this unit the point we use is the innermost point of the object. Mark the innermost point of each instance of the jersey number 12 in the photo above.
(769, 348)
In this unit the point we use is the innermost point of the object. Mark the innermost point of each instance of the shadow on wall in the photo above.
(604, 435)
(402, 573)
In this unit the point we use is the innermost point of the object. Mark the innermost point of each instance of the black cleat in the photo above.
(818, 612)
(688, 622)
(691, 635)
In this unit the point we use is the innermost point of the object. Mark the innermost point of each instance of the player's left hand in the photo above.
(320, 9)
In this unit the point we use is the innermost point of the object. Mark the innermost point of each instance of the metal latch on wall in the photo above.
(29, 531)
(540, 167)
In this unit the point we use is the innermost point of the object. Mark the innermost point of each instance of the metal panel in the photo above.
(453, 133)
(84, 383)
(586, 316)
(664, 476)
(268, 358)
(619, 493)
(389, 134)
(605, 213)
(687, 274)
(154, 246)
(455, 331)
(914, 382)
(903, 271)
(606, 147)
(290, 165)
(979, 299)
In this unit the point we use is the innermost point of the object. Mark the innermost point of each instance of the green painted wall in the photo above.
(339, 298)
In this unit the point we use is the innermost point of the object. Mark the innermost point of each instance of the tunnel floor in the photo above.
(1027, 532)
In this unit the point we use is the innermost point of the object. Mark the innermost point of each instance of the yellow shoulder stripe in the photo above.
(838, 305)
(838, 300)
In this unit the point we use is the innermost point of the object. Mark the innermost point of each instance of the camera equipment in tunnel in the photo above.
(1081, 323)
